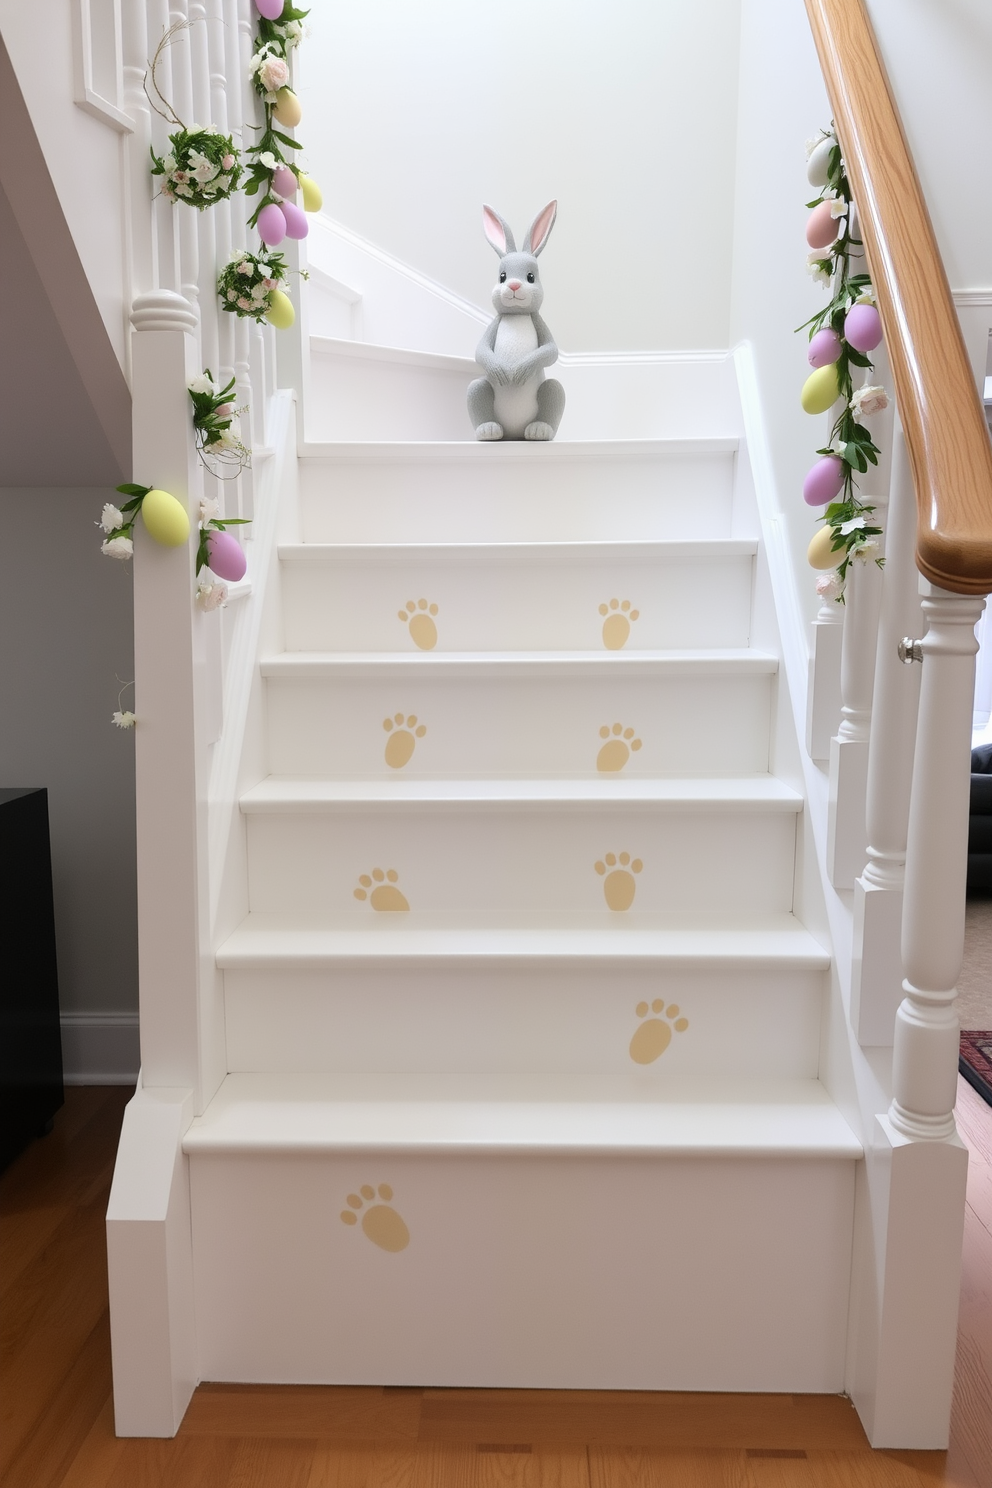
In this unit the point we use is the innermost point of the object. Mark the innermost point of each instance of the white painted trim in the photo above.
(329, 346)
(516, 452)
(335, 287)
(639, 358)
(86, 96)
(100, 1048)
(407, 271)
(972, 296)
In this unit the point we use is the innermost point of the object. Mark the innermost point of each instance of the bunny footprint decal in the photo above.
(513, 400)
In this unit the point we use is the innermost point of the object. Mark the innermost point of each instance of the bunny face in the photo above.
(518, 290)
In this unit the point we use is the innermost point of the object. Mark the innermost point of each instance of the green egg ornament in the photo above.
(165, 518)
(280, 312)
(821, 553)
(820, 391)
(313, 197)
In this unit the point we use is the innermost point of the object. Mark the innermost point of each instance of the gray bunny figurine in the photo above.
(513, 400)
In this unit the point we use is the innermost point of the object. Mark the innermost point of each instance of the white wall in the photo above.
(416, 114)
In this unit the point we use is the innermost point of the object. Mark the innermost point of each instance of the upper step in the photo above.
(467, 492)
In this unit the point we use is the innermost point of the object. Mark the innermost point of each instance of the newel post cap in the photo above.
(163, 310)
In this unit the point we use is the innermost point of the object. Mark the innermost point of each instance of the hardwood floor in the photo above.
(56, 1414)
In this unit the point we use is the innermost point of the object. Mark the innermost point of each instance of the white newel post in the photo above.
(877, 968)
(846, 844)
(920, 1159)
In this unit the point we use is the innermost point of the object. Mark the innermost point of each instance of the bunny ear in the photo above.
(497, 232)
(541, 230)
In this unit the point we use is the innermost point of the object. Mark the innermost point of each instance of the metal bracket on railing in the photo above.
(910, 650)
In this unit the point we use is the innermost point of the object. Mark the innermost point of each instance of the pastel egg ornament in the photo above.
(270, 10)
(818, 164)
(820, 390)
(821, 553)
(824, 348)
(824, 481)
(863, 327)
(822, 226)
(225, 556)
(280, 312)
(313, 197)
(287, 109)
(271, 225)
(297, 225)
(284, 181)
(165, 518)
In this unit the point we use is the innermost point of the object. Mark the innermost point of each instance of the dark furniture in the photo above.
(30, 1035)
(980, 821)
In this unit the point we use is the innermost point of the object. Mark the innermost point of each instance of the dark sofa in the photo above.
(980, 821)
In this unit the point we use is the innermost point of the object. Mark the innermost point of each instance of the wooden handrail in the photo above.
(943, 420)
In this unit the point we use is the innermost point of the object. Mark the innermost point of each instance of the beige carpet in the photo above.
(974, 1002)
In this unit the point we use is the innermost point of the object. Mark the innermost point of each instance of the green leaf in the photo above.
(133, 490)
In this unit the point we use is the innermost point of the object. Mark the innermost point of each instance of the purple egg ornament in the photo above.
(270, 9)
(226, 558)
(821, 227)
(824, 481)
(271, 225)
(284, 181)
(824, 348)
(297, 225)
(863, 327)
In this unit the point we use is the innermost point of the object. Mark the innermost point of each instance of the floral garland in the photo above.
(203, 166)
(216, 425)
(246, 283)
(840, 335)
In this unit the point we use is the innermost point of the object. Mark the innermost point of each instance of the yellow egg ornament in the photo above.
(287, 110)
(820, 390)
(280, 312)
(821, 553)
(165, 518)
(313, 197)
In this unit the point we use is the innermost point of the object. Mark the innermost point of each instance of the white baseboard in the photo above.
(100, 1048)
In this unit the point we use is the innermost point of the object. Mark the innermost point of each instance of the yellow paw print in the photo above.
(384, 893)
(383, 1226)
(653, 1036)
(619, 884)
(615, 753)
(419, 616)
(403, 735)
(616, 626)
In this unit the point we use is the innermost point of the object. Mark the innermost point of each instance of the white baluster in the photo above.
(823, 683)
(877, 970)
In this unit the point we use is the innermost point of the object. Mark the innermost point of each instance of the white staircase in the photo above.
(523, 1036)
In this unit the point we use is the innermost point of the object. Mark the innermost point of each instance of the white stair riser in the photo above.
(754, 1022)
(355, 399)
(689, 602)
(715, 725)
(509, 500)
(522, 865)
(540, 1272)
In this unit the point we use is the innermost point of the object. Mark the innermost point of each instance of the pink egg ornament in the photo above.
(270, 9)
(824, 348)
(297, 225)
(284, 181)
(226, 558)
(271, 225)
(824, 481)
(821, 227)
(863, 327)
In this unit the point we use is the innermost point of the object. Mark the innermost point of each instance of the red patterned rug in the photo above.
(975, 1062)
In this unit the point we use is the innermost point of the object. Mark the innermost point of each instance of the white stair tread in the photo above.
(372, 351)
(719, 662)
(460, 555)
(513, 1113)
(525, 452)
(284, 795)
(267, 941)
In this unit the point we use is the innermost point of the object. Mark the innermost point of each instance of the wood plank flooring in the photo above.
(56, 1413)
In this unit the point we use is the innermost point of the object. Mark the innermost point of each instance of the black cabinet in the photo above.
(30, 1036)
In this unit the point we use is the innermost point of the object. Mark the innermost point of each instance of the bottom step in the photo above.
(446, 1237)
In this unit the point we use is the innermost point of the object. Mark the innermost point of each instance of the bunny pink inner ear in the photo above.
(543, 223)
(493, 228)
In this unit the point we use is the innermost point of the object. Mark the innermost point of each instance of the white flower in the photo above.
(180, 175)
(819, 268)
(259, 291)
(223, 183)
(202, 168)
(211, 596)
(183, 191)
(202, 384)
(868, 400)
(829, 586)
(293, 32)
(170, 163)
(209, 509)
(111, 518)
(244, 304)
(866, 297)
(268, 160)
(837, 447)
(124, 720)
(231, 295)
(244, 267)
(854, 525)
(118, 547)
(273, 74)
(866, 550)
